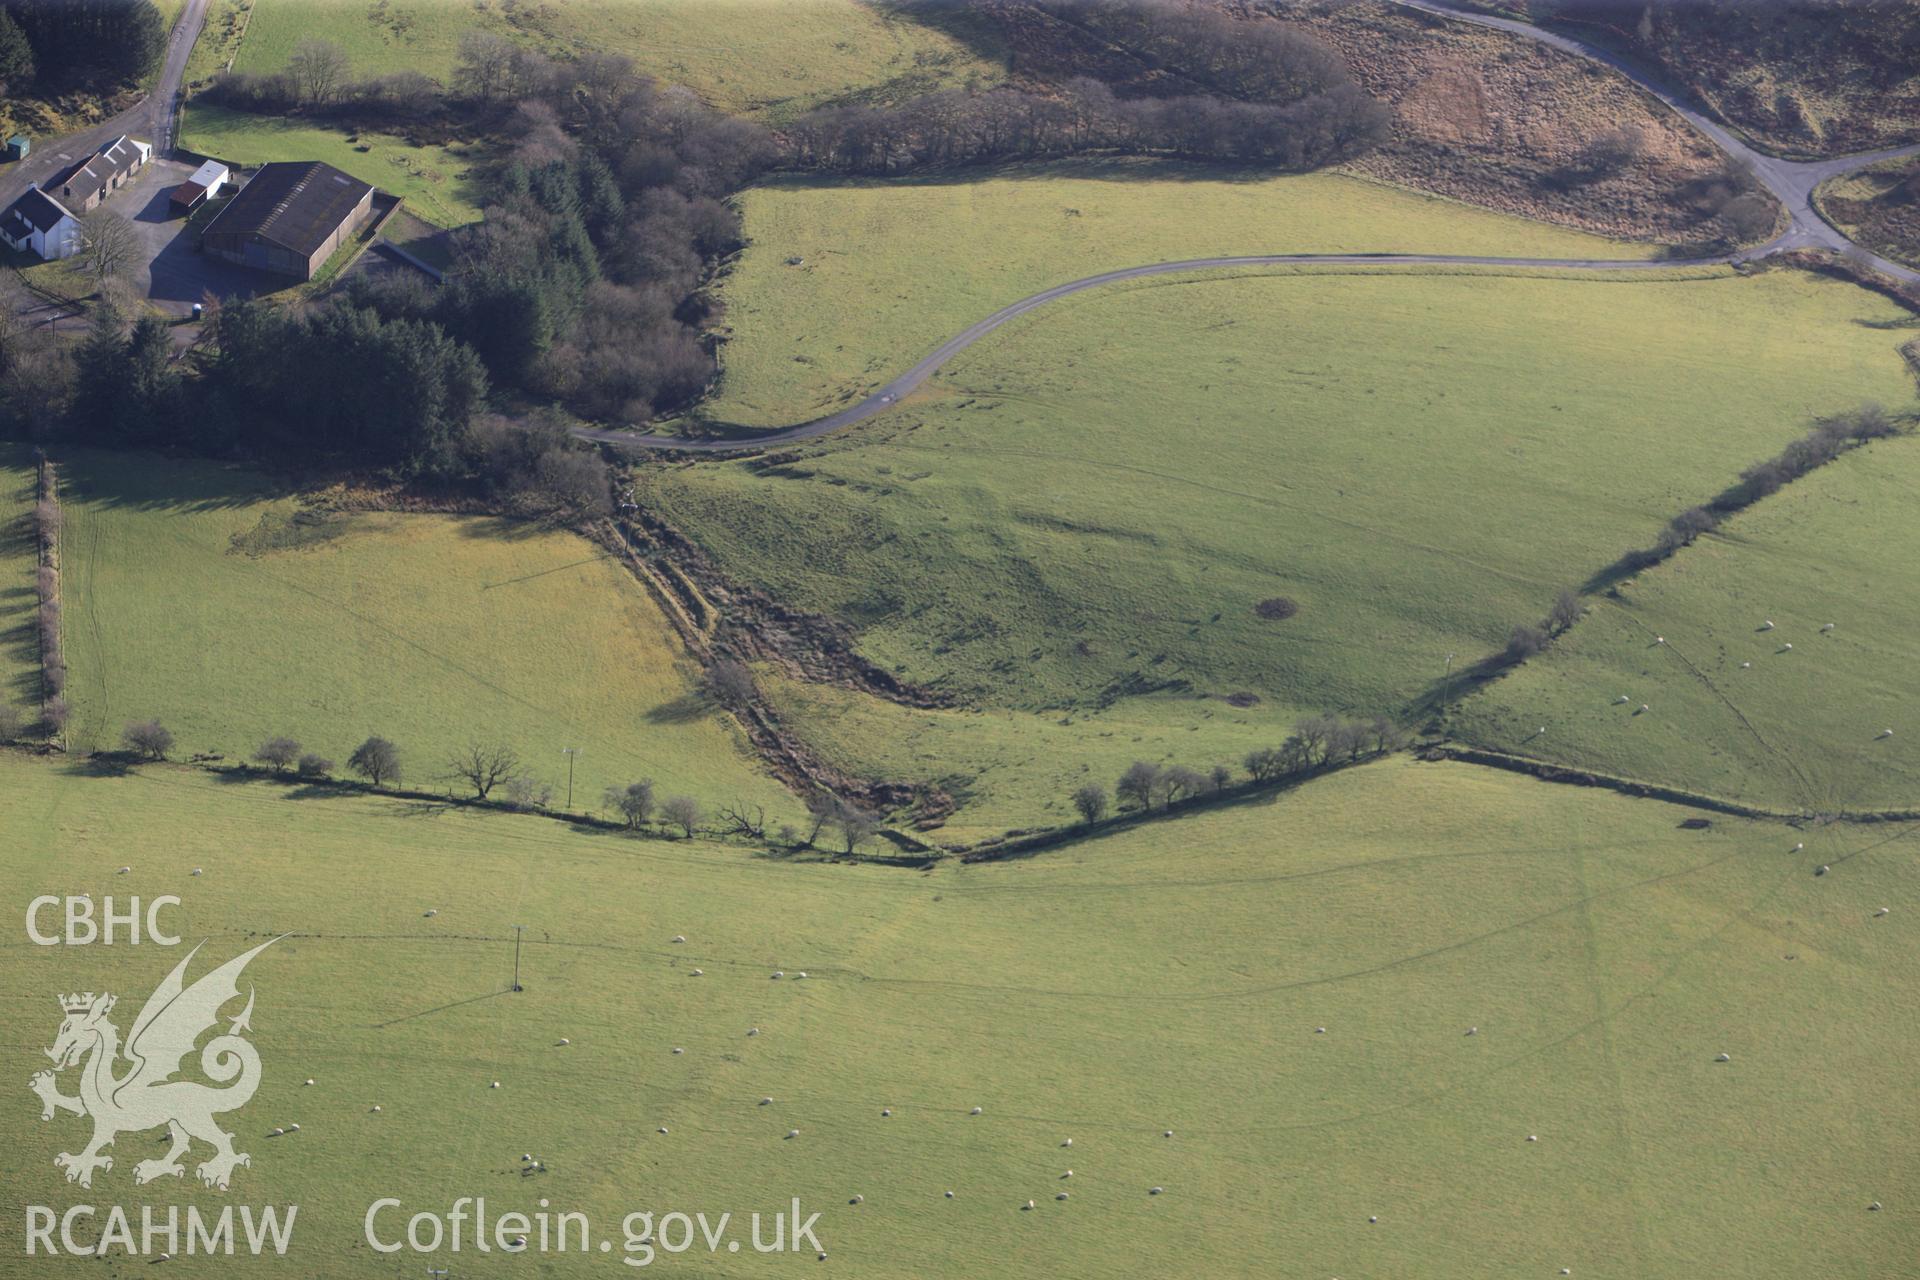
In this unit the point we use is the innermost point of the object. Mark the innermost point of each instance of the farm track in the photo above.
(1790, 182)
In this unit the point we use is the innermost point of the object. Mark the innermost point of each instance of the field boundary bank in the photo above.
(1546, 771)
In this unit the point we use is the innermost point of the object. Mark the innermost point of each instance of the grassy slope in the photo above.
(1010, 770)
(1169, 978)
(429, 630)
(749, 56)
(890, 269)
(1797, 729)
(431, 178)
(19, 648)
(1420, 461)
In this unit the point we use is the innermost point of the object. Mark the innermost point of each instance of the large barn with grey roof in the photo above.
(289, 218)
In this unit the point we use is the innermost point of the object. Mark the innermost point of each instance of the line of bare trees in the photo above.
(1316, 742)
(47, 521)
(956, 127)
(1828, 439)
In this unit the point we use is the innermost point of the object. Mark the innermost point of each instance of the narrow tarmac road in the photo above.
(150, 120)
(1791, 182)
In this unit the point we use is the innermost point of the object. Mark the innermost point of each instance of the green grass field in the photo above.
(432, 179)
(1797, 730)
(766, 57)
(19, 646)
(1168, 979)
(888, 270)
(194, 597)
(1418, 461)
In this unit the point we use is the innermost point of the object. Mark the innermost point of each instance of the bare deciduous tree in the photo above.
(278, 753)
(108, 244)
(855, 826)
(319, 69)
(731, 682)
(525, 793)
(633, 802)
(1091, 802)
(376, 760)
(1137, 785)
(148, 738)
(1565, 612)
(683, 812)
(735, 820)
(484, 767)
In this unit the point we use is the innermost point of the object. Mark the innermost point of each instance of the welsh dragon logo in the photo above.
(144, 1095)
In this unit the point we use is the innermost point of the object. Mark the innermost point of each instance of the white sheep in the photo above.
(1373, 1219)
(886, 1111)
(123, 871)
(663, 1128)
(1168, 1133)
(857, 1200)
(679, 937)
(1823, 870)
(1533, 1137)
(766, 1102)
(1767, 625)
(564, 1042)
(1643, 707)
(1154, 1191)
(1473, 1031)
(1874, 1207)
(678, 1049)
(1027, 1205)
(1828, 627)
(274, 1133)
(949, 1195)
(526, 1159)
(695, 973)
(800, 975)
(293, 1128)
(974, 1112)
(494, 1085)
(1746, 666)
(1798, 847)
(1067, 1143)
(431, 912)
(376, 1106)
(778, 974)
(1319, 1031)
(753, 1031)
(793, 1133)
(1886, 733)
(195, 871)
(1067, 1174)
(1725, 1057)
(1787, 647)
(309, 1079)
(1061, 1196)
(1659, 639)
(1622, 698)
(1882, 911)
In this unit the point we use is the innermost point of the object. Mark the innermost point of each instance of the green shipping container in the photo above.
(18, 146)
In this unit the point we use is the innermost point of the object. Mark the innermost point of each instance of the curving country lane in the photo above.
(1791, 182)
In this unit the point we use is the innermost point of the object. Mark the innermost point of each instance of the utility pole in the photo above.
(570, 753)
(517, 929)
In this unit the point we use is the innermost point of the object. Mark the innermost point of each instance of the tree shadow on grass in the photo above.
(685, 709)
(104, 764)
